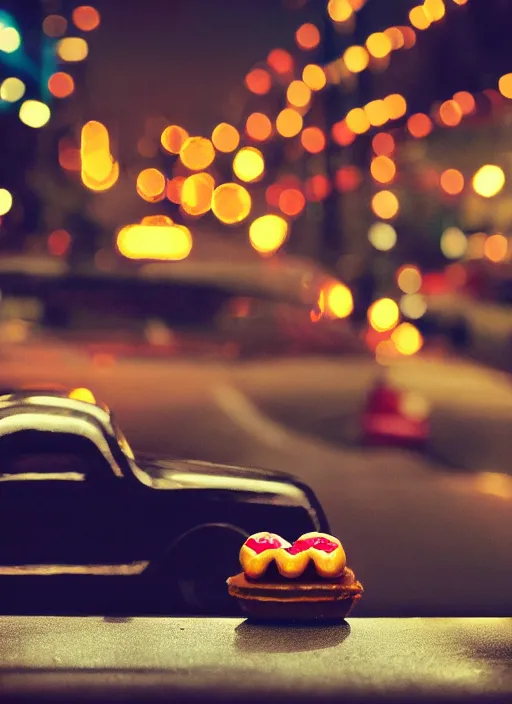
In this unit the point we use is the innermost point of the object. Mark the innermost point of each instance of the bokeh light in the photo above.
(313, 140)
(249, 164)
(383, 314)
(385, 205)
(61, 85)
(55, 26)
(496, 248)
(105, 184)
(317, 188)
(72, 49)
(159, 242)
(298, 94)
(34, 113)
(377, 113)
(383, 169)
(5, 201)
(357, 121)
(396, 106)
(82, 394)
(97, 163)
(342, 134)
(197, 153)
(307, 36)
(435, 9)
(86, 18)
(231, 203)
(338, 301)
(356, 59)
(339, 10)
(268, 233)
(494, 484)
(280, 61)
(225, 138)
(174, 189)
(258, 127)
(258, 81)
(419, 18)
(413, 306)
(383, 144)
(489, 181)
(289, 123)
(407, 339)
(452, 182)
(420, 125)
(382, 236)
(505, 85)
(196, 194)
(59, 242)
(450, 113)
(348, 178)
(69, 155)
(12, 89)
(291, 202)
(465, 101)
(151, 185)
(173, 138)
(314, 77)
(409, 36)
(379, 45)
(10, 40)
(453, 243)
(272, 194)
(396, 37)
(409, 279)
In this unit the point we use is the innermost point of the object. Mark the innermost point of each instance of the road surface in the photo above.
(423, 540)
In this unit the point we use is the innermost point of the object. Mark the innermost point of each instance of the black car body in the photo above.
(75, 502)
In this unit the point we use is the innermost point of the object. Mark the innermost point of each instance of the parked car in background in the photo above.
(76, 504)
(476, 315)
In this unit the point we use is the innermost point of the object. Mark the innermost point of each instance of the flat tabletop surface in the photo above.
(208, 659)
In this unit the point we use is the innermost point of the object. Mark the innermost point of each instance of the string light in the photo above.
(357, 58)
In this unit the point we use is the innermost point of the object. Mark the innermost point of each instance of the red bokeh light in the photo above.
(59, 242)
(280, 61)
(258, 81)
(348, 178)
(307, 36)
(291, 202)
(342, 134)
(313, 140)
(174, 188)
(317, 188)
(420, 125)
(383, 144)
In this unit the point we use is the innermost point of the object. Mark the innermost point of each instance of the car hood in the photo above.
(279, 487)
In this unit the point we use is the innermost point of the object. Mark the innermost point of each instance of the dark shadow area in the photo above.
(257, 637)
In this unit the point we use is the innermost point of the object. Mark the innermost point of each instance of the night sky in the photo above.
(181, 58)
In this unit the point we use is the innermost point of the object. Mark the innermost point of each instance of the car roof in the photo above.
(55, 412)
(288, 279)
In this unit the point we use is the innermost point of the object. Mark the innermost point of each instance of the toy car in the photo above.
(76, 503)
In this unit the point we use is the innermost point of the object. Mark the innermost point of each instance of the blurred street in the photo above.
(423, 538)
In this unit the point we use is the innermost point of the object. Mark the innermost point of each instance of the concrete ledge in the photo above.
(230, 660)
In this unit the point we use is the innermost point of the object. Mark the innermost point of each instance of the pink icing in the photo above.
(259, 545)
(318, 543)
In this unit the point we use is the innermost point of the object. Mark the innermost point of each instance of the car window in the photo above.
(49, 456)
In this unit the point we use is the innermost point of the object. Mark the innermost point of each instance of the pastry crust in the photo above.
(304, 581)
